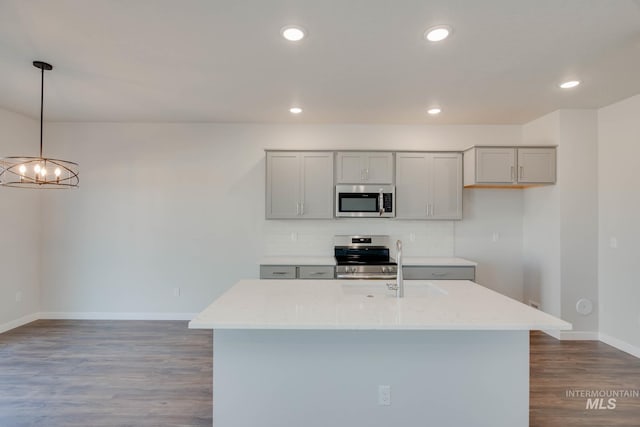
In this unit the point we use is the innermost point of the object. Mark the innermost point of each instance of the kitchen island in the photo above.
(349, 353)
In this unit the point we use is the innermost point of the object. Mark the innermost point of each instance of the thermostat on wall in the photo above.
(584, 306)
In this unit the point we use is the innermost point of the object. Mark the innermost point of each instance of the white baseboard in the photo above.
(579, 336)
(620, 345)
(19, 322)
(116, 316)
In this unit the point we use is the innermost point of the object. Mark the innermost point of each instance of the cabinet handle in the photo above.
(279, 273)
(438, 274)
(318, 273)
(302, 208)
(366, 174)
(521, 172)
(298, 208)
(512, 173)
(433, 208)
(362, 175)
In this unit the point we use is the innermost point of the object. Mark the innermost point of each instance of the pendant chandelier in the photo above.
(38, 172)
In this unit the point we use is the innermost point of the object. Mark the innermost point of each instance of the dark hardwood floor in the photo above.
(57, 373)
(561, 366)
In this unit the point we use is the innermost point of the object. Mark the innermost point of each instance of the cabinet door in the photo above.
(379, 168)
(412, 176)
(495, 165)
(316, 272)
(277, 272)
(364, 167)
(537, 165)
(445, 187)
(283, 185)
(439, 273)
(350, 168)
(317, 185)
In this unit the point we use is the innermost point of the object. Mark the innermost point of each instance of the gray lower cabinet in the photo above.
(277, 272)
(316, 272)
(439, 273)
(297, 272)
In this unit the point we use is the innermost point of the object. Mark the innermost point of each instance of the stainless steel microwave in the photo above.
(365, 201)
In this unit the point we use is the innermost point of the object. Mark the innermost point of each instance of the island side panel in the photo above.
(316, 378)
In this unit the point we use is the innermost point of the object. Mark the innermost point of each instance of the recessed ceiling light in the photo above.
(570, 84)
(434, 111)
(295, 110)
(292, 33)
(438, 33)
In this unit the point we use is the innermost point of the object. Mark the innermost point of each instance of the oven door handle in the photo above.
(365, 276)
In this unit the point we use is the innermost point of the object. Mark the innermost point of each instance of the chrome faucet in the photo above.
(399, 285)
(399, 278)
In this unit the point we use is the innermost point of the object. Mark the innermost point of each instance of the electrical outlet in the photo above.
(18, 296)
(384, 395)
(412, 237)
(495, 237)
(294, 236)
(613, 242)
(176, 292)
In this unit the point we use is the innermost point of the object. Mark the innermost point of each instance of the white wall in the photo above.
(541, 226)
(619, 210)
(578, 184)
(182, 205)
(19, 227)
(560, 221)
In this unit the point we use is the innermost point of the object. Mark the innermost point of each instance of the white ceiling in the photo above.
(364, 61)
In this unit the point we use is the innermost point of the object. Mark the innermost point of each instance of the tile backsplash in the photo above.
(315, 238)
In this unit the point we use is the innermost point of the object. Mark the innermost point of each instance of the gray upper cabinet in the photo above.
(509, 166)
(429, 185)
(495, 165)
(299, 185)
(356, 167)
(536, 165)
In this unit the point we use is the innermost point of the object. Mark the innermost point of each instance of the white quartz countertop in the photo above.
(368, 305)
(298, 260)
(437, 262)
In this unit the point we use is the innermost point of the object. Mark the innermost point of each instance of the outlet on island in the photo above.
(384, 395)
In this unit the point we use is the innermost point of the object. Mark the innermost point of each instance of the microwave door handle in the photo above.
(381, 202)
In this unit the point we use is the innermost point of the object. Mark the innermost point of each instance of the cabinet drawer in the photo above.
(277, 272)
(319, 272)
(439, 273)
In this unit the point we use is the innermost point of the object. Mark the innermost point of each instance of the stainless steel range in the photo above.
(364, 257)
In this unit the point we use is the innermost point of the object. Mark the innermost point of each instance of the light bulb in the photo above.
(438, 33)
(57, 172)
(292, 33)
(295, 110)
(36, 168)
(570, 84)
(43, 172)
(23, 169)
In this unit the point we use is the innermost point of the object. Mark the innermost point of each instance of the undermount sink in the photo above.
(424, 289)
